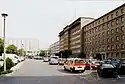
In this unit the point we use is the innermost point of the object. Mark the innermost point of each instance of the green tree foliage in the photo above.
(9, 64)
(42, 52)
(1, 46)
(21, 52)
(11, 49)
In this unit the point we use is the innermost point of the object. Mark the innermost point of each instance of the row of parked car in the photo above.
(108, 67)
(16, 59)
(111, 67)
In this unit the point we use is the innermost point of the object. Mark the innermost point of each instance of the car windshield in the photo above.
(107, 66)
(54, 57)
(79, 61)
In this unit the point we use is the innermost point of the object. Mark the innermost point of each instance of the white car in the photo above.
(75, 64)
(61, 61)
(53, 60)
(46, 59)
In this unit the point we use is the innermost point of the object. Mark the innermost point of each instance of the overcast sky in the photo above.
(44, 19)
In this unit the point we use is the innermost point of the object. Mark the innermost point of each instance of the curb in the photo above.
(15, 68)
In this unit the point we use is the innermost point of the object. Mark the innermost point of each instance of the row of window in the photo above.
(108, 40)
(112, 31)
(107, 25)
(108, 47)
(104, 19)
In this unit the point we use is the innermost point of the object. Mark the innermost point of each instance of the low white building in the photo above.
(54, 48)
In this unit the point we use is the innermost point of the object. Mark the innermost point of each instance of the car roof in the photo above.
(74, 59)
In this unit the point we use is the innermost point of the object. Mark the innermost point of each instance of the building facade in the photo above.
(70, 36)
(31, 46)
(54, 48)
(106, 35)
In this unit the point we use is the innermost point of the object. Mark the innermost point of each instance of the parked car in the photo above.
(74, 64)
(13, 57)
(54, 60)
(46, 59)
(61, 61)
(38, 57)
(107, 69)
(121, 68)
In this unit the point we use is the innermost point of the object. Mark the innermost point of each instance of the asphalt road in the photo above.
(38, 72)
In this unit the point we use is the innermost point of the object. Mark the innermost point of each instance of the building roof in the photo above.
(105, 14)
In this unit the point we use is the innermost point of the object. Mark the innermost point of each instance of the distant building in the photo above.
(103, 37)
(106, 35)
(70, 37)
(31, 46)
(54, 48)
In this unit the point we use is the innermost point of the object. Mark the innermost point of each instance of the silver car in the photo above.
(53, 60)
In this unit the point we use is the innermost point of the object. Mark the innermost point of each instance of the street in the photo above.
(38, 72)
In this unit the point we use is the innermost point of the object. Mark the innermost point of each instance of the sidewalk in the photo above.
(15, 68)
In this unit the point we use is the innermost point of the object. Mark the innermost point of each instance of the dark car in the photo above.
(107, 70)
(121, 68)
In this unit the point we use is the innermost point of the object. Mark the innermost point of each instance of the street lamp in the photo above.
(4, 15)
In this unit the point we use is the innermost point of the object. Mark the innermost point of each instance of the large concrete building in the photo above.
(54, 48)
(104, 36)
(31, 46)
(70, 36)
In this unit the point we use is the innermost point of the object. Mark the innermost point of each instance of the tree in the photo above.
(42, 52)
(11, 49)
(21, 52)
(1, 46)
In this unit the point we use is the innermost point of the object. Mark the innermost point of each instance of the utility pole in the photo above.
(4, 15)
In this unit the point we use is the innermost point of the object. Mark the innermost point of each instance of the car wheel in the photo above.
(71, 70)
(65, 68)
(83, 70)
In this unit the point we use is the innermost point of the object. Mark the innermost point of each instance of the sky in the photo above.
(44, 19)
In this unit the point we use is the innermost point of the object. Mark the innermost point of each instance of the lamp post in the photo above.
(4, 15)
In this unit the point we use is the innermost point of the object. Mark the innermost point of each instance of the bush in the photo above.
(9, 64)
(7, 71)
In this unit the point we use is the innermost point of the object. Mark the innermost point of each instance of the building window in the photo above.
(103, 33)
(112, 47)
(99, 22)
(112, 23)
(117, 21)
(122, 37)
(95, 23)
(108, 32)
(117, 46)
(107, 17)
(116, 13)
(122, 19)
(103, 20)
(108, 24)
(117, 38)
(122, 11)
(112, 31)
(111, 15)
(103, 41)
(95, 36)
(122, 46)
(96, 29)
(122, 28)
(108, 47)
(96, 42)
(98, 35)
(112, 39)
(117, 29)
(108, 40)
